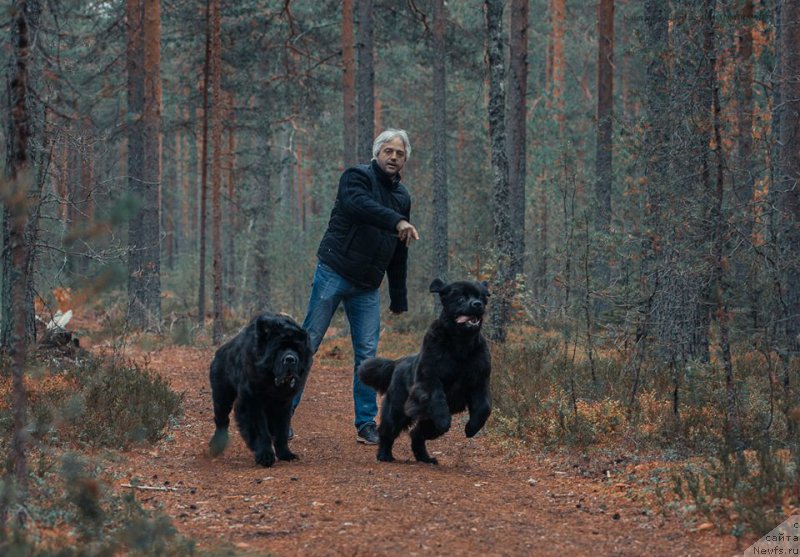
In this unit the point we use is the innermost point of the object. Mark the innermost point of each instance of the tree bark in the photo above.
(365, 81)
(733, 425)
(16, 218)
(743, 175)
(517, 121)
(185, 242)
(233, 206)
(605, 115)
(555, 102)
(501, 211)
(151, 159)
(181, 199)
(743, 184)
(217, 107)
(348, 85)
(558, 17)
(144, 285)
(264, 200)
(788, 179)
(656, 145)
(440, 211)
(203, 158)
(169, 200)
(135, 89)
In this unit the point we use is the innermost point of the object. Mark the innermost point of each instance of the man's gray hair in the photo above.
(387, 136)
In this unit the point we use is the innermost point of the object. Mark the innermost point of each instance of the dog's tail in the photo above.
(377, 373)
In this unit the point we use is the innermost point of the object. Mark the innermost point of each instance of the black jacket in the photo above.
(361, 241)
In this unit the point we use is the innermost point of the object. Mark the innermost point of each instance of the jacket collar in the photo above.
(383, 178)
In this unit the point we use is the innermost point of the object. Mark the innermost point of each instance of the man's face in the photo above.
(392, 156)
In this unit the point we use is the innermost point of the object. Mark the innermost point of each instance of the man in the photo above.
(368, 236)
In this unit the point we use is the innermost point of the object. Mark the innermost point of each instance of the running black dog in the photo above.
(262, 368)
(450, 374)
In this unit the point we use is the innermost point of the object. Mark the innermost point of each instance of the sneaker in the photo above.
(368, 434)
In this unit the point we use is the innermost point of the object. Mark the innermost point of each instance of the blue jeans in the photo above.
(363, 309)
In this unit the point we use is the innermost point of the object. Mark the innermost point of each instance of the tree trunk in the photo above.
(440, 212)
(743, 183)
(299, 191)
(203, 158)
(61, 179)
(233, 206)
(151, 168)
(87, 196)
(605, 119)
(630, 105)
(217, 107)
(135, 90)
(264, 216)
(144, 102)
(179, 225)
(703, 124)
(743, 175)
(558, 10)
(23, 194)
(788, 179)
(348, 85)
(169, 200)
(555, 102)
(656, 144)
(517, 121)
(16, 220)
(185, 236)
(365, 81)
(501, 211)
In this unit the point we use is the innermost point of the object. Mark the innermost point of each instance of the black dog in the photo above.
(262, 368)
(450, 374)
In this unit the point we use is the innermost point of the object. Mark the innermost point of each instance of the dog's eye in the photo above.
(462, 299)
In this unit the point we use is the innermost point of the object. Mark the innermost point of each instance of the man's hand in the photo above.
(406, 232)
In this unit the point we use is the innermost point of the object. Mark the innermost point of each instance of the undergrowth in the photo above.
(120, 403)
(78, 403)
(70, 513)
(551, 393)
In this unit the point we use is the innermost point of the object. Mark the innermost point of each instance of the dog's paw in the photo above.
(218, 442)
(265, 458)
(428, 460)
(384, 456)
(287, 455)
(470, 430)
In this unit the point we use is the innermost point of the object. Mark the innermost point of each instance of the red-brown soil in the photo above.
(338, 500)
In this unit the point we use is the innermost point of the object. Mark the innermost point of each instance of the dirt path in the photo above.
(338, 500)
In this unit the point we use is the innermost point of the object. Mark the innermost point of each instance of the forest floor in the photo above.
(486, 497)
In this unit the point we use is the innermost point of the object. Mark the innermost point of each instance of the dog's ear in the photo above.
(437, 285)
(266, 323)
(486, 288)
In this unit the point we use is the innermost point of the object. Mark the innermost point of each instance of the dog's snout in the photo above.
(290, 359)
(476, 304)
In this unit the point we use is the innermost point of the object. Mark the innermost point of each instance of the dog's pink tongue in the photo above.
(462, 318)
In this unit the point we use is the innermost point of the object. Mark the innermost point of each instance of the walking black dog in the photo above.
(448, 375)
(262, 368)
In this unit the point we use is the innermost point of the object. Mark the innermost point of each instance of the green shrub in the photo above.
(122, 403)
(93, 521)
(755, 494)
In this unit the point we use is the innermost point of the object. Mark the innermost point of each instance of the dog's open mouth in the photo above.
(288, 380)
(468, 320)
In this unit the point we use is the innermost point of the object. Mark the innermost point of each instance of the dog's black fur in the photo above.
(262, 368)
(448, 375)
